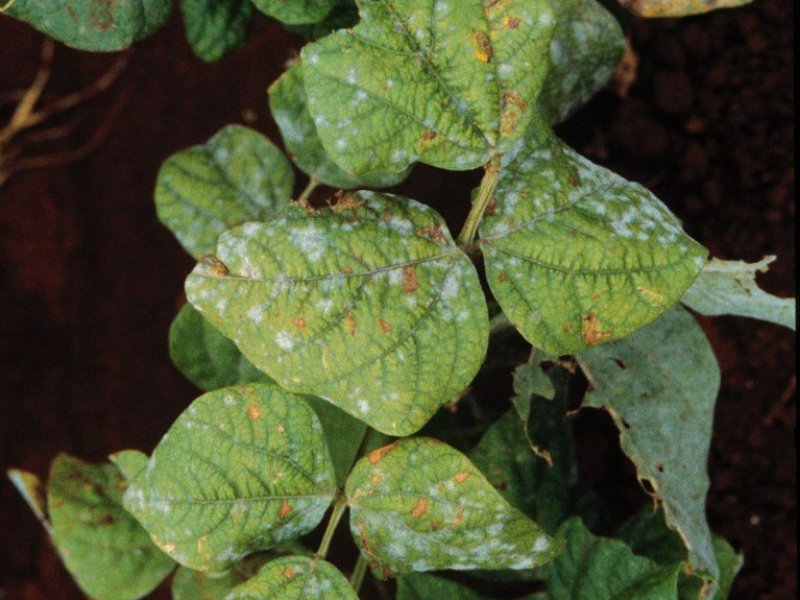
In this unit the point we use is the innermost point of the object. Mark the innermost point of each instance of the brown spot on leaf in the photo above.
(299, 322)
(347, 270)
(459, 518)
(428, 137)
(511, 22)
(345, 202)
(254, 411)
(462, 476)
(483, 46)
(591, 334)
(376, 455)
(213, 267)
(512, 107)
(285, 509)
(420, 508)
(288, 572)
(385, 325)
(566, 327)
(350, 323)
(502, 277)
(434, 233)
(410, 283)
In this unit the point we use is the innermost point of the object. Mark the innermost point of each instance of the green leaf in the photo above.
(205, 356)
(450, 84)
(211, 361)
(370, 305)
(592, 568)
(420, 505)
(540, 490)
(730, 563)
(129, 462)
(241, 470)
(343, 15)
(189, 584)
(530, 379)
(728, 287)
(236, 177)
(586, 47)
(214, 27)
(92, 25)
(105, 550)
(419, 586)
(577, 255)
(660, 386)
(295, 12)
(678, 8)
(295, 578)
(287, 101)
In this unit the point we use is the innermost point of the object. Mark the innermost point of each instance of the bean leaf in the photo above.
(241, 470)
(728, 287)
(92, 25)
(295, 12)
(369, 304)
(577, 255)
(420, 586)
(107, 552)
(420, 505)
(660, 385)
(295, 578)
(215, 27)
(237, 176)
(450, 84)
(287, 101)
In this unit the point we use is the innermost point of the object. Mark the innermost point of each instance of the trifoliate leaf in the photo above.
(287, 101)
(214, 27)
(419, 586)
(678, 8)
(586, 47)
(105, 550)
(540, 490)
(205, 356)
(242, 469)
(370, 305)
(129, 462)
(237, 176)
(295, 578)
(420, 505)
(728, 287)
(295, 12)
(92, 25)
(450, 84)
(592, 568)
(660, 386)
(577, 255)
(189, 584)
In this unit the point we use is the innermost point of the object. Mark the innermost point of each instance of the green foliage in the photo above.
(372, 290)
(242, 469)
(420, 505)
(322, 328)
(103, 547)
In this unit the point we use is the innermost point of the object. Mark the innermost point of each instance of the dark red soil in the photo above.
(89, 281)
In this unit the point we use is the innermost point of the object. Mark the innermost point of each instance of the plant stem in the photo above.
(357, 578)
(336, 516)
(312, 185)
(485, 192)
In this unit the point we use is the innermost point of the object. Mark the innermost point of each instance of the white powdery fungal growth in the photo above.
(310, 240)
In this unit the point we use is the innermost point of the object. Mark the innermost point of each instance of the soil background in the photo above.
(90, 281)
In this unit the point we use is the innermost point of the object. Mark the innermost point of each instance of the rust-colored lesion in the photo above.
(376, 455)
(592, 334)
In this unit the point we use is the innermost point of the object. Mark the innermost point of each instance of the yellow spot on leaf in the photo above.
(254, 411)
(376, 455)
(462, 476)
(483, 46)
(350, 323)
(651, 295)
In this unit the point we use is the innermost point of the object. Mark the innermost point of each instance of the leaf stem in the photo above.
(357, 578)
(313, 183)
(485, 192)
(336, 516)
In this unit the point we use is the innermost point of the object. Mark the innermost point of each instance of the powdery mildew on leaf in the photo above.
(586, 47)
(105, 550)
(728, 287)
(213, 27)
(92, 25)
(237, 176)
(369, 304)
(660, 386)
(594, 568)
(295, 578)
(575, 254)
(420, 505)
(449, 83)
(295, 12)
(287, 101)
(241, 470)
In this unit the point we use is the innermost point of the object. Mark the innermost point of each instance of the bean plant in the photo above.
(336, 334)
